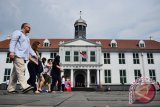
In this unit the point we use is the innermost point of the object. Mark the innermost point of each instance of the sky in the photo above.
(106, 19)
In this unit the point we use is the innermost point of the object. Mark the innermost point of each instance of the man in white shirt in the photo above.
(20, 50)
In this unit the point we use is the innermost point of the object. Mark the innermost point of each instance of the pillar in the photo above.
(97, 77)
(71, 77)
(88, 77)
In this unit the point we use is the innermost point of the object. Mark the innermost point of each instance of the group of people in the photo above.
(50, 75)
(40, 73)
(39, 77)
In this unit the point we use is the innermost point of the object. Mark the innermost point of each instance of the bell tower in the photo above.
(80, 28)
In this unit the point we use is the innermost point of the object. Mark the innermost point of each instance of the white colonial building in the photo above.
(90, 62)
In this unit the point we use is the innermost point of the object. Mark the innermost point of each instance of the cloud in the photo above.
(130, 19)
(142, 30)
(9, 13)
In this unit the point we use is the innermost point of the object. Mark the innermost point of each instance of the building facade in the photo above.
(91, 62)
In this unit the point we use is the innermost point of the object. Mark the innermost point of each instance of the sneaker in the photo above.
(13, 92)
(44, 91)
(27, 89)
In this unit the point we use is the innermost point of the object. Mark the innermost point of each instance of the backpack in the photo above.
(40, 67)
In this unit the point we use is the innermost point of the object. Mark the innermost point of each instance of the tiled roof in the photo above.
(129, 44)
(121, 44)
(4, 44)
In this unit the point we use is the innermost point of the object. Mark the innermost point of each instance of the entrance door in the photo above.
(80, 80)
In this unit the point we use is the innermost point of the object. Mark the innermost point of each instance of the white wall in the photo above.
(114, 66)
(130, 67)
(3, 65)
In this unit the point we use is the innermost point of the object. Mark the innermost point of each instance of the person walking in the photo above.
(42, 80)
(56, 73)
(33, 68)
(44, 61)
(20, 50)
(46, 74)
(63, 84)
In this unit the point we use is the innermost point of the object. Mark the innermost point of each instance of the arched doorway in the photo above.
(80, 80)
(93, 80)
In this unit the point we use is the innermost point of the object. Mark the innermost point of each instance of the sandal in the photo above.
(36, 92)
(49, 91)
(40, 91)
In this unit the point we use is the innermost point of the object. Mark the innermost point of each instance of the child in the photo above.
(68, 85)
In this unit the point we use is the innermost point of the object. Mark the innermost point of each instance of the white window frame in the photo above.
(76, 56)
(93, 56)
(137, 73)
(67, 56)
(121, 58)
(7, 73)
(136, 58)
(46, 44)
(152, 74)
(123, 77)
(107, 76)
(150, 58)
(107, 58)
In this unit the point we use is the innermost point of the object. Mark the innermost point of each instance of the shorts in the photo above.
(47, 78)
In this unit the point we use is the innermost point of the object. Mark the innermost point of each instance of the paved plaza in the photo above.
(72, 99)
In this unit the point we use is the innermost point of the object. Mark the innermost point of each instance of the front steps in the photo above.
(83, 89)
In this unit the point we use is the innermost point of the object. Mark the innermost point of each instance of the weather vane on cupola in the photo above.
(80, 28)
(80, 14)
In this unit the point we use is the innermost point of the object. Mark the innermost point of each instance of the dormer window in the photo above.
(113, 43)
(46, 43)
(141, 44)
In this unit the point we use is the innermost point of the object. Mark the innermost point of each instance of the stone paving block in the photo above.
(76, 104)
(15, 101)
(72, 99)
(108, 99)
